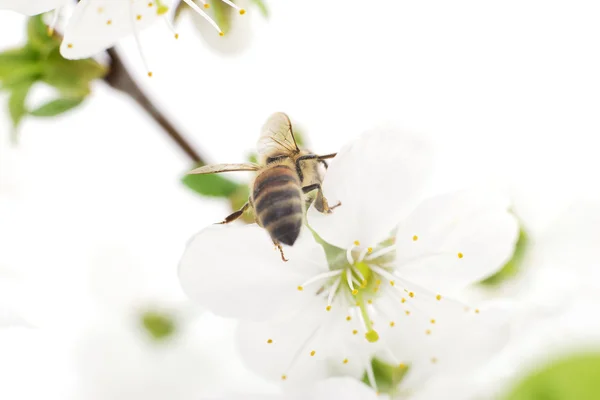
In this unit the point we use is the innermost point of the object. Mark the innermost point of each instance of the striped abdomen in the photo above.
(277, 199)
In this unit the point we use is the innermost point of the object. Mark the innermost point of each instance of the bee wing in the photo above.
(216, 168)
(277, 137)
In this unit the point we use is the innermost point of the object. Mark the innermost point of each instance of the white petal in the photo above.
(327, 389)
(285, 348)
(474, 224)
(439, 337)
(97, 25)
(31, 7)
(235, 271)
(378, 179)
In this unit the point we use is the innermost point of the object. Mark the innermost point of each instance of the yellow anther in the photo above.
(270, 341)
(407, 312)
(50, 31)
(177, 36)
(477, 310)
(328, 308)
(434, 360)
(138, 17)
(356, 243)
(70, 45)
(392, 283)
(348, 318)
(354, 332)
(392, 323)
(402, 366)
(312, 353)
(403, 300)
(300, 288)
(283, 377)
(149, 74)
(221, 34)
(432, 321)
(370, 301)
(369, 250)
(378, 282)
(150, 4)
(355, 292)
(345, 361)
(460, 255)
(428, 332)
(206, 5)
(109, 22)
(242, 11)
(100, 10)
(415, 238)
(438, 297)
(372, 336)
(358, 304)
(375, 289)
(411, 294)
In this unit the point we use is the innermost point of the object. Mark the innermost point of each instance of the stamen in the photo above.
(229, 3)
(359, 274)
(387, 275)
(363, 253)
(371, 375)
(349, 255)
(334, 289)
(171, 28)
(54, 21)
(136, 35)
(350, 284)
(371, 335)
(204, 15)
(460, 255)
(381, 252)
(322, 276)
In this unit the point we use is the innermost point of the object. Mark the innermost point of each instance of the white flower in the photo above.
(96, 25)
(327, 389)
(381, 292)
(31, 7)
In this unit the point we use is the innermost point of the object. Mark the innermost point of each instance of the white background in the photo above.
(509, 92)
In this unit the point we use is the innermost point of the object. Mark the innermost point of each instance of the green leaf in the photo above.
(19, 65)
(211, 185)
(387, 376)
(38, 36)
(574, 378)
(158, 325)
(511, 268)
(71, 77)
(56, 107)
(16, 103)
(262, 7)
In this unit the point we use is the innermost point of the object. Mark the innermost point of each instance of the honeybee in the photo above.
(286, 176)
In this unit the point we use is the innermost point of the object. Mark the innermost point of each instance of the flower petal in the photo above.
(378, 179)
(31, 7)
(306, 346)
(438, 336)
(234, 271)
(454, 240)
(97, 25)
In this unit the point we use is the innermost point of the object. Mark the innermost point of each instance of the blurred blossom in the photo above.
(375, 284)
(31, 7)
(148, 343)
(552, 304)
(327, 389)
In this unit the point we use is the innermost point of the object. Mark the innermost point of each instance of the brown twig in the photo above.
(120, 79)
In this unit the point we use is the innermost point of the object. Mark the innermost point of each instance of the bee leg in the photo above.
(320, 202)
(278, 246)
(233, 216)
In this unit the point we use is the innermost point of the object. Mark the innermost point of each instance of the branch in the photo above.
(120, 79)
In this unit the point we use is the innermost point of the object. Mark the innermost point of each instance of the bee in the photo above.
(284, 185)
